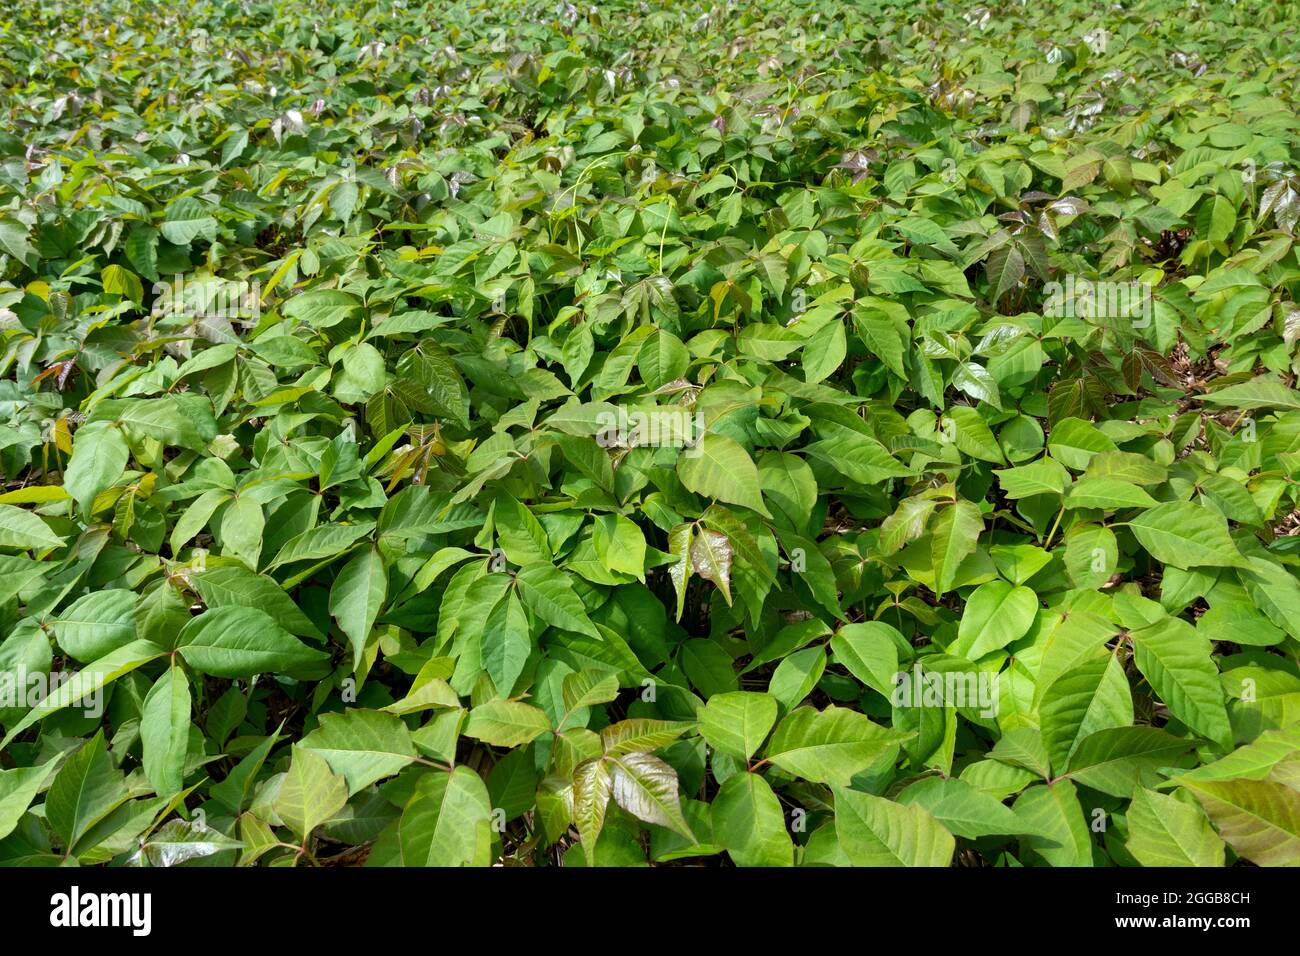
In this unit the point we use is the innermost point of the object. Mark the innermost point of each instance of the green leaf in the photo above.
(1166, 831)
(1253, 761)
(18, 788)
(97, 624)
(86, 789)
(1090, 697)
(874, 831)
(1264, 391)
(789, 488)
(749, 824)
(185, 421)
(362, 745)
(1119, 760)
(737, 723)
(662, 359)
(505, 644)
(620, 545)
(588, 457)
(641, 735)
(1043, 477)
(431, 693)
(447, 822)
(165, 731)
(588, 688)
(853, 453)
(522, 536)
(241, 533)
(309, 794)
(1107, 494)
(506, 723)
(322, 308)
(1061, 836)
(232, 585)
(1073, 442)
(23, 530)
(16, 574)
(187, 219)
(828, 746)
(717, 467)
(14, 241)
(1186, 536)
(1023, 747)
(963, 810)
(357, 597)
(954, 535)
(89, 680)
(869, 650)
(1177, 662)
(548, 593)
(99, 456)
(325, 541)
(238, 642)
(995, 615)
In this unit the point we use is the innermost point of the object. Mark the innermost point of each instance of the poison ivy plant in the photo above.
(770, 434)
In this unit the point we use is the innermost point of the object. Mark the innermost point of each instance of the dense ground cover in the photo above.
(768, 434)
